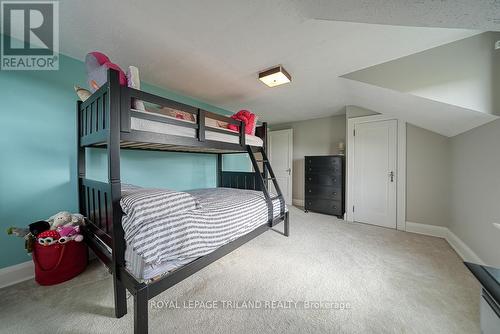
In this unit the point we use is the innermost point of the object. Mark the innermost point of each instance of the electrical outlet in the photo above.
(497, 45)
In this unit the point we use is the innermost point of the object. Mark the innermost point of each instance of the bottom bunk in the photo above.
(166, 236)
(165, 230)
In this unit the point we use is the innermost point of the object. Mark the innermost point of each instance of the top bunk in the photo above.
(140, 120)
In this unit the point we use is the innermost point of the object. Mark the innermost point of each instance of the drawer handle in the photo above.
(309, 190)
(310, 179)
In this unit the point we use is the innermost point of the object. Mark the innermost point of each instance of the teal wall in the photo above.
(38, 152)
(236, 162)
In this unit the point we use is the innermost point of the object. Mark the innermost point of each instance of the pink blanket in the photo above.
(247, 117)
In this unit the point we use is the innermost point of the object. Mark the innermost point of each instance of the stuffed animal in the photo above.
(65, 218)
(97, 65)
(38, 227)
(68, 233)
(82, 93)
(18, 231)
(48, 238)
(29, 234)
(33, 229)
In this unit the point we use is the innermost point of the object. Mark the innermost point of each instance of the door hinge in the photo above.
(353, 208)
(354, 132)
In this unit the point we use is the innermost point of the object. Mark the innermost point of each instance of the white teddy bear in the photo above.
(65, 218)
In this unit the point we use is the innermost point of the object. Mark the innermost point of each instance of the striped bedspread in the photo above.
(184, 231)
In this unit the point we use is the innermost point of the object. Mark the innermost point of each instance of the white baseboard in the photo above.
(432, 230)
(16, 273)
(460, 247)
(298, 202)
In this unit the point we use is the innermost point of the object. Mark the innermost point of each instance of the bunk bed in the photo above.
(108, 120)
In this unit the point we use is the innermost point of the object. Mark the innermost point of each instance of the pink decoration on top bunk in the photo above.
(97, 65)
(246, 116)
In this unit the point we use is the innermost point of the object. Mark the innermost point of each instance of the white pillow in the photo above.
(134, 81)
(144, 205)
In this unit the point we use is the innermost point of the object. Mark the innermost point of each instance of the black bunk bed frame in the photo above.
(104, 120)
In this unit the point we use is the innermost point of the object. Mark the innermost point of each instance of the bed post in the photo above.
(141, 309)
(113, 150)
(286, 227)
(219, 170)
(80, 158)
(261, 132)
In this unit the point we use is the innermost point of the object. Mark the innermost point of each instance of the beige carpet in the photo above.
(390, 282)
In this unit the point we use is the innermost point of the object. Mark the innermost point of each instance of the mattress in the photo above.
(178, 130)
(223, 215)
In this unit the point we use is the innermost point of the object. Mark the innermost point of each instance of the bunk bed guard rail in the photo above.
(94, 115)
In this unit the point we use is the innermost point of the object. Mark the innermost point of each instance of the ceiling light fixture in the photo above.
(275, 76)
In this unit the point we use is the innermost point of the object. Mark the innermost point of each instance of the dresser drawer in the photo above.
(332, 169)
(315, 191)
(324, 206)
(324, 180)
(313, 164)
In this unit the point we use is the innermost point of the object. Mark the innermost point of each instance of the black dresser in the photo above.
(324, 184)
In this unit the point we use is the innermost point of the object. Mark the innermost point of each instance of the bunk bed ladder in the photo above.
(263, 176)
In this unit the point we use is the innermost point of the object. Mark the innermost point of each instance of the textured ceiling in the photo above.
(468, 14)
(213, 50)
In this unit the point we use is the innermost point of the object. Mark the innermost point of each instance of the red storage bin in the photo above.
(59, 262)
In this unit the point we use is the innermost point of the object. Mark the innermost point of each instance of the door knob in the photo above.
(289, 170)
(391, 175)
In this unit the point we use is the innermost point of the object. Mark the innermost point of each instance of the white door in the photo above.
(280, 156)
(374, 173)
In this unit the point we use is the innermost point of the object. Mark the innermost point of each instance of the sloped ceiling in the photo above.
(213, 50)
(460, 75)
(445, 119)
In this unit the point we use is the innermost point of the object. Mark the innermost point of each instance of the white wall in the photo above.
(475, 182)
(475, 190)
(427, 177)
(496, 77)
(427, 170)
(313, 137)
(452, 182)
(455, 182)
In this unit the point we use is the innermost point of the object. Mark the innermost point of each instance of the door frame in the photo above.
(400, 172)
(290, 150)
